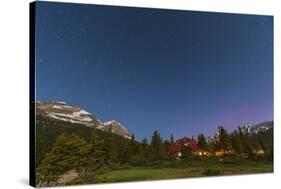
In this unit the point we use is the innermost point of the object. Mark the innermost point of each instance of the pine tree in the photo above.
(123, 153)
(133, 148)
(145, 150)
(172, 139)
(212, 146)
(67, 153)
(202, 143)
(96, 153)
(262, 143)
(107, 147)
(224, 139)
(166, 147)
(235, 143)
(243, 140)
(156, 146)
(186, 151)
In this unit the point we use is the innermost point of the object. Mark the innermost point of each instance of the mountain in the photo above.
(258, 128)
(264, 128)
(76, 115)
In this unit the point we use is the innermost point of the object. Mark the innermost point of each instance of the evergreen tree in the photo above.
(186, 151)
(156, 146)
(243, 140)
(212, 146)
(172, 139)
(166, 148)
(124, 152)
(145, 150)
(235, 143)
(133, 148)
(96, 152)
(67, 153)
(202, 143)
(107, 147)
(171, 155)
(262, 143)
(224, 139)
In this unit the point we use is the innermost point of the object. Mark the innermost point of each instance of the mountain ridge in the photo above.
(75, 114)
(250, 129)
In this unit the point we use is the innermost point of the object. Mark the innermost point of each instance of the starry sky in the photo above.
(180, 72)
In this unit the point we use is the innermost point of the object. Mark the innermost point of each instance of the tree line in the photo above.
(239, 143)
(88, 157)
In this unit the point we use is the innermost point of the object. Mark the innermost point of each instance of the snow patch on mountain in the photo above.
(57, 107)
(74, 114)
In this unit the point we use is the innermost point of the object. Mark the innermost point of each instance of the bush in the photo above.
(211, 172)
(137, 160)
(119, 166)
(103, 169)
(159, 164)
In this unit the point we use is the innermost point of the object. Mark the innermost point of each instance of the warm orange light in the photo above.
(179, 154)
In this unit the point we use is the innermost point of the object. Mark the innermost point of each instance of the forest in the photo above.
(74, 154)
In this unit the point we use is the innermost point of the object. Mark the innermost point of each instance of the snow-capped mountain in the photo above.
(249, 129)
(255, 129)
(74, 114)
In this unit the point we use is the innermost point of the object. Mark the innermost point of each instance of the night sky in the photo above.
(179, 72)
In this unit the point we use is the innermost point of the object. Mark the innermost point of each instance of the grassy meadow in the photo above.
(182, 169)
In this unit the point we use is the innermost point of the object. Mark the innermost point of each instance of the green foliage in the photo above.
(48, 129)
(224, 140)
(236, 144)
(156, 146)
(186, 151)
(68, 152)
(211, 172)
(172, 139)
(244, 140)
(166, 148)
(145, 151)
(107, 147)
(133, 146)
(202, 143)
(262, 143)
(62, 146)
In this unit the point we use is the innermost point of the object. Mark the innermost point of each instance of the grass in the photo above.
(185, 169)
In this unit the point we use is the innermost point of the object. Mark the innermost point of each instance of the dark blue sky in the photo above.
(179, 72)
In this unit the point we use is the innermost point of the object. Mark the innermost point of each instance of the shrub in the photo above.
(211, 172)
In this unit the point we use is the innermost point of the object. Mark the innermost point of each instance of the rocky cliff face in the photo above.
(75, 114)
